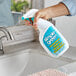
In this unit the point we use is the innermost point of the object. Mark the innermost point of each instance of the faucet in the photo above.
(8, 37)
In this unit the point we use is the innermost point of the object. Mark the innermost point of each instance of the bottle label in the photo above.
(53, 41)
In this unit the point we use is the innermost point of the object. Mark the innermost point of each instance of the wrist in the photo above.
(49, 12)
(57, 10)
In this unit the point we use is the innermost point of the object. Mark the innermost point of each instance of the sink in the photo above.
(38, 62)
(13, 64)
(27, 58)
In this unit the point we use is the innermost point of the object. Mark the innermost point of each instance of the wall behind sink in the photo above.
(65, 24)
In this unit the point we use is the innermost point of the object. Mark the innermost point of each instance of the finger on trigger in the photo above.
(37, 15)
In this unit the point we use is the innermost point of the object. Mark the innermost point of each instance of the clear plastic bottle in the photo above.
(50, 38)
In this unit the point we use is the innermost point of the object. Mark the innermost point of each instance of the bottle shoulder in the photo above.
(43, 25)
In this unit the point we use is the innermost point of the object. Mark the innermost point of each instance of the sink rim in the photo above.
(4, 56)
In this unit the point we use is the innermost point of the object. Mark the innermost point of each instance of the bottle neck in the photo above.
(43, 25)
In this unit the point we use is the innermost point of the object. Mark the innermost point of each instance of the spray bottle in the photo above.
(50, 38)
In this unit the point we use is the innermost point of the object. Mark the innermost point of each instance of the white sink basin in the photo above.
(23, 62)
(39, 62)
(13, 64)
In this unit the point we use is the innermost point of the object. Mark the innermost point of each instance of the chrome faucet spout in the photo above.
(7, 35)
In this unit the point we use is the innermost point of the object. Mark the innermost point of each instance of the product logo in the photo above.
(49, 39)
(53, 41)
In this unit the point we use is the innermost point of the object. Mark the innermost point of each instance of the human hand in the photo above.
(40, 14)
(43, 13)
